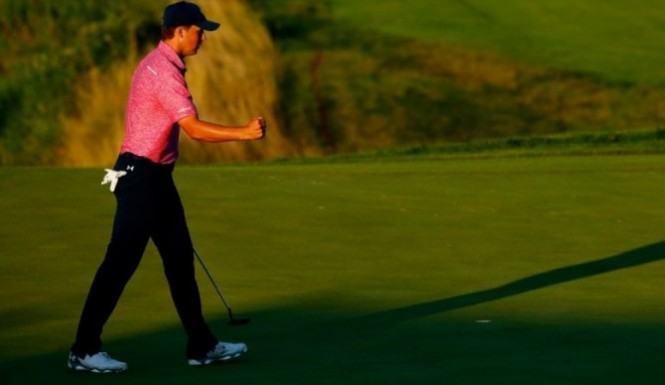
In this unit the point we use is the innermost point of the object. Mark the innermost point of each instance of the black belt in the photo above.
(146, 161)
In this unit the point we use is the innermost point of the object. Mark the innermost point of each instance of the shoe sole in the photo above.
(208, 361)
(81, 368)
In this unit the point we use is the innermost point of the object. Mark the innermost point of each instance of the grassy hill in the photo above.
(370, 75)
(338, 76)
(616, 40)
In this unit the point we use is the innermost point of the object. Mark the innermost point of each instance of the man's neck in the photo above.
(173, 43)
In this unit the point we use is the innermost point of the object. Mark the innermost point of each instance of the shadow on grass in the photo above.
(633, 258)
(308, 343)
(296, 345)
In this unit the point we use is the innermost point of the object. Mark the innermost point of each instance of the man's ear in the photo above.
(180, 32)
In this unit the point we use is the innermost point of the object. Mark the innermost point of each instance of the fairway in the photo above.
(422, 270)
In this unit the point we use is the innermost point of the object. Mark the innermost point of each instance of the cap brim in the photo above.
(208, 25)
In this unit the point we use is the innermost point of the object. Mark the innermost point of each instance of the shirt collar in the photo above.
(171, 55)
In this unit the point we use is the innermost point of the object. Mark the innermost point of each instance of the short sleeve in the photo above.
(176, 99)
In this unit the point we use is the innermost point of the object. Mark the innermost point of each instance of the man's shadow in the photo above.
(632, 258)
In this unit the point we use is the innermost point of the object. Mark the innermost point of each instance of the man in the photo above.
(148, 203)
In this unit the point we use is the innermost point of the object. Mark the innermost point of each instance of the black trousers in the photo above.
(148, 207)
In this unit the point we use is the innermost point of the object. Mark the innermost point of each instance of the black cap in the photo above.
(185, 13)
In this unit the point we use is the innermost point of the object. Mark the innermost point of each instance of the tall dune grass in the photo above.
(92, 137)
(47, 46)
(232, 79)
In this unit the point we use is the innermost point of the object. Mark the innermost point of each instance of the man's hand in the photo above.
(256, 128)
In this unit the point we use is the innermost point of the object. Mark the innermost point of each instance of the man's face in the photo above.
(192, 39)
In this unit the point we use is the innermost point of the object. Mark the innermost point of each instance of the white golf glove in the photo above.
(112, 177)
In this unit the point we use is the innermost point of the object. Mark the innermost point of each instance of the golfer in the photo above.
(148, 204)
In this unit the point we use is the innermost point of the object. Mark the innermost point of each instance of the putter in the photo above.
(233, 321)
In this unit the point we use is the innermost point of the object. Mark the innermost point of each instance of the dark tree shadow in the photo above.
(632, 258)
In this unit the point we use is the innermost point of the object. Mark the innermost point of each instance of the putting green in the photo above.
(542, 270)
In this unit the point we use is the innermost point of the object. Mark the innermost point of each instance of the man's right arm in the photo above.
(211, 132)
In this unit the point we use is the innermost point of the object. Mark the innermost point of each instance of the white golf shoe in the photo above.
(223, 351)
(97, 363)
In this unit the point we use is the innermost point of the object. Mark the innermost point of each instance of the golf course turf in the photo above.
(390, 270)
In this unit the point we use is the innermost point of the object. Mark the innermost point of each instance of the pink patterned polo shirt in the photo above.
(158, 99)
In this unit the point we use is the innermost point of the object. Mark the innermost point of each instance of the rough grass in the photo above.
(507, 270)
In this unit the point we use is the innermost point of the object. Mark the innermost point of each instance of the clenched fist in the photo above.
(256, 128)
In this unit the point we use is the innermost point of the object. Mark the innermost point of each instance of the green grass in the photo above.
(586, 143)
(618, 40)
(365, 271)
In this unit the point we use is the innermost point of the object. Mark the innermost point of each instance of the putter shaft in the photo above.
(232, 320)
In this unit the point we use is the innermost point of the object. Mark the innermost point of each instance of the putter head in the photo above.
(238, 321)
